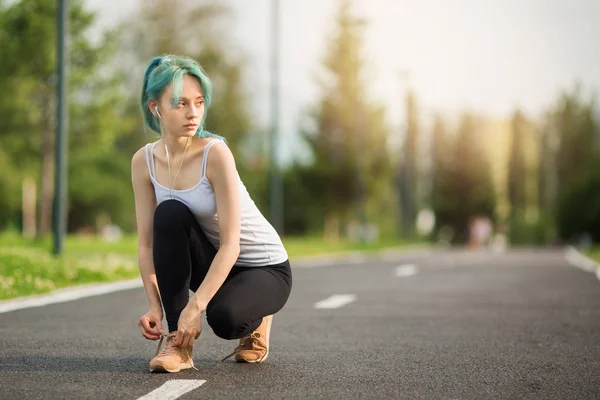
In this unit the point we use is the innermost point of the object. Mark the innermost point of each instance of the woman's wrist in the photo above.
(197, 303)
(156, 307)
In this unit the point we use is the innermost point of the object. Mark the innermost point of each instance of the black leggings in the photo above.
(182, 256)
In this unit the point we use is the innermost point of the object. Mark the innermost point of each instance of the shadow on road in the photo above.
(40, 363)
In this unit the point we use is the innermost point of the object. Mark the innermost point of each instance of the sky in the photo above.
(484, 56)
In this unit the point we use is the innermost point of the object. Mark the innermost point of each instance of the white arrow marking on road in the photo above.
(173, 389)
(407, 270)
(336, 301)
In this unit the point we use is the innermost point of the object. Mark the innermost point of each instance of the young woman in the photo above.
(199, 229)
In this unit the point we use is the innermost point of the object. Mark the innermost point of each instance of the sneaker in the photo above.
(172, 358)
(254, 348)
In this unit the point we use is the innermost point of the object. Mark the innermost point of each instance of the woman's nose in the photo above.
(194, 110)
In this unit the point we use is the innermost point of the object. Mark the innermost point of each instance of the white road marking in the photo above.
(404, 271)
(581, 261)
(64, 295)
(173, 389)
(336, 301)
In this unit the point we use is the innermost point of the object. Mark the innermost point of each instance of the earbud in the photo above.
(157, 113)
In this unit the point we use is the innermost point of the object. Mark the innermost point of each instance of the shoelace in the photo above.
(168, 350)
(248, 343)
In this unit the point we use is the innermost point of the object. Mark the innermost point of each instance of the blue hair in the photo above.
(170, 69)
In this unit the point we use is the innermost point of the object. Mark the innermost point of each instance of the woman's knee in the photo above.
(170, 213)
(226, 322)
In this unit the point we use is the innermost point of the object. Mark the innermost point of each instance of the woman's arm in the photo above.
(222, 173)
(145, 204)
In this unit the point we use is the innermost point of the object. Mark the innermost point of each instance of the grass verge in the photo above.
(594, 253)
(27, 267)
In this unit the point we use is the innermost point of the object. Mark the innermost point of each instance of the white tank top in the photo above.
(260, 244)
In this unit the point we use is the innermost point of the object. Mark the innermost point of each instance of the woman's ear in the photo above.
(153, 106)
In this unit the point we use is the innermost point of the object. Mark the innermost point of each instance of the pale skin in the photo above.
(178, 127)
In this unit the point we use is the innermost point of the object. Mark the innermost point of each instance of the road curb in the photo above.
(68, 294)
(579, 260)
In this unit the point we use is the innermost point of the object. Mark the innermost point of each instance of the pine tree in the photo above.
(408, 169)
(517, 168)
(469, 190)
(577, 159)
(351, 168)
(577, 131)
(440, 172)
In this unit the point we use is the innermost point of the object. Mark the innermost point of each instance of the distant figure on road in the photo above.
(199, 229)
(480, 232)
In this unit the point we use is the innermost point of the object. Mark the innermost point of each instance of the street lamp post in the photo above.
(60, 192)
(275, 179)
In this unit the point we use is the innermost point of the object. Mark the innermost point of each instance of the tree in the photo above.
(441, 172)
(463, 187)
(517, 168)
(577, 135)
(547, 167)
(351, 167)
(11, 189)
(408, 170)
(577, 132)
(579, 208)
(28, 77)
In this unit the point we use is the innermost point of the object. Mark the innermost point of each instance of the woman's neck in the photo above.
(176, 145)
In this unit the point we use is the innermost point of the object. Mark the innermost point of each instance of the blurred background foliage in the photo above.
(536, 178)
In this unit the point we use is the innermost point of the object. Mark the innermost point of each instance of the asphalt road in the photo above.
(443, 325)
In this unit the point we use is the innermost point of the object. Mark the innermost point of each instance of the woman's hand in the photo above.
(189, 326)
(152, 319)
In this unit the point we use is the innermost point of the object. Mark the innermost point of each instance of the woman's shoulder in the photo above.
(140, 162)
(218, 153)
(220, 159)
(139, 156)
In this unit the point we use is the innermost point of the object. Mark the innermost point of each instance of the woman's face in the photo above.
(183, 119)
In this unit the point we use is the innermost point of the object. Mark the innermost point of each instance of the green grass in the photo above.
(27, 266)
(594, 252)
(310, 246)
